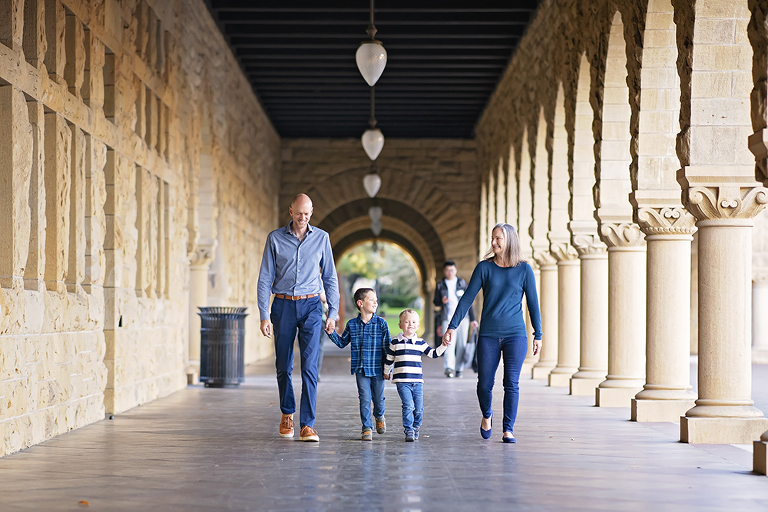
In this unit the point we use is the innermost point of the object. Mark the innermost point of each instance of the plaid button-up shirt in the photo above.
(369, 344)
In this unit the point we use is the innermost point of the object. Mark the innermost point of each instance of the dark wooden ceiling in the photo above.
(444, 59)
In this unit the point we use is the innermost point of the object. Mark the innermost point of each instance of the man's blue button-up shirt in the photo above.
(293, 267)
(369, 344)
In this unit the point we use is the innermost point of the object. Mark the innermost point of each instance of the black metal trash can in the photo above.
(222, 346)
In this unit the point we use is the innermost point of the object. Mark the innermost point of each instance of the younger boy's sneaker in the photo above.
(367, 436)
(415, 434)
(409, 438)
(381, 425)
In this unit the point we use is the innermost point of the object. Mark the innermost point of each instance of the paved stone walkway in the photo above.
(208, 449)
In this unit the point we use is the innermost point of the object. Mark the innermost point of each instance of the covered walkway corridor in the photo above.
(207, 449)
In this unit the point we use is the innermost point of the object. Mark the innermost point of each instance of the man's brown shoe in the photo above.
(286, 425)
(308, 434)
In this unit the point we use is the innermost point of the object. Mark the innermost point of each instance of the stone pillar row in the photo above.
(199, 263)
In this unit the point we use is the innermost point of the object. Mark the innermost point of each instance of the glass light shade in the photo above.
(372, 184)
(373, 142)
(371, 60)
(374, 212)
(376, 228)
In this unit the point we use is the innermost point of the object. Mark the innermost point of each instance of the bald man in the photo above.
(293, 254)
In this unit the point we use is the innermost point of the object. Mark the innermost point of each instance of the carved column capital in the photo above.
(588, 245)
(622, 234)
(666, 220)
(563, 251)
(723, 202)
(544, 258)
(203, 255)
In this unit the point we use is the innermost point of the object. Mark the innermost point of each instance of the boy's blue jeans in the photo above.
(370, 388)
(489, 352)
(412, 395)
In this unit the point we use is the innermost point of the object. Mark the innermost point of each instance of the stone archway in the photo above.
(349, 225)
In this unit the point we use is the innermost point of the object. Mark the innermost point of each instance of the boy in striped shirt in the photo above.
(404, 353)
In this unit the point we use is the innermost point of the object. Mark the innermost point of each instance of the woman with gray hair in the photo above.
(504, 278)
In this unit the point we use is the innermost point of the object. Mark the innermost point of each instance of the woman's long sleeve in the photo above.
(532, 299)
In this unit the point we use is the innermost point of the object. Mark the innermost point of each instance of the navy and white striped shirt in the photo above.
(405, 355)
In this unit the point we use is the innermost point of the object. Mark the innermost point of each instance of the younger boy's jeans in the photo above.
(370, 388)
(412, 395)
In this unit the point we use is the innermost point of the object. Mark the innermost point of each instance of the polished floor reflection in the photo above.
(207, 449)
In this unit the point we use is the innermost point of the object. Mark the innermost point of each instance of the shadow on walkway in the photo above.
(216, 449)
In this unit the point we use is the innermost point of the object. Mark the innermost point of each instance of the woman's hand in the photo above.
(448, 336)
(536, 346)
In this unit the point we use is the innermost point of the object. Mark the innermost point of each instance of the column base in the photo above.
(540, 371)
(560, 380)
(721, 430)
(527, 367)
(584, 387)
(759, 356)
(760, 457)
(615, 397)
(650, 411)
(193, 375)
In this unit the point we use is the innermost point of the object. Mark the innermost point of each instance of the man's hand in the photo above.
(448, 336)
(536, 346)
(440, 330)
(474, 324)
(266, 328)
(330, 326)
(445, 300)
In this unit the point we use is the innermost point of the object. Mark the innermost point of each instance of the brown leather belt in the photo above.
(295, 297)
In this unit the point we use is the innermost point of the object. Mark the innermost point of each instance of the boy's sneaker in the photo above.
(449, 373)
(409, 438)
(459, 375)
(367, 436)
(415, 434)
(381, 425)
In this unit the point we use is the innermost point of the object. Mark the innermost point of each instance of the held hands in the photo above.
(266, 328)
(330, 326)
(448, 336)
(474, 324)
(536, 346)
(387, 376)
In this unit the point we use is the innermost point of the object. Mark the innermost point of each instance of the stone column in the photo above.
(667, 393)
(549, 313)
(593, 335)
(760, 455)
(530, 359)
(724, 411)
(199, 263)
(759, 318)
(760, 290)
(695, 295)
(568, 311)
(626, 315)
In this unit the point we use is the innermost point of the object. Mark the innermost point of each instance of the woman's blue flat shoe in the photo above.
(487, 433)
(508, 439)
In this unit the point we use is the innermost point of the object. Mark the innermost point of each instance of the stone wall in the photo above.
(115, 118)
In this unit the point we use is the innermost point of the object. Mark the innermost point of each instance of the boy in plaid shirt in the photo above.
(369, 336)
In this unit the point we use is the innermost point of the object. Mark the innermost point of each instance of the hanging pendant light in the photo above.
(371, 57)
(373, 139)
(373, 142)
(375, 212)
(372, 182)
